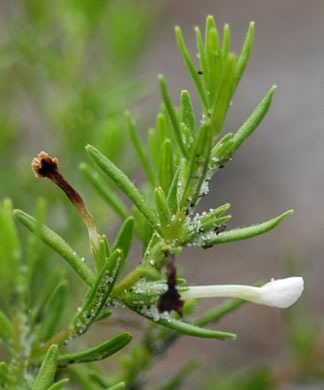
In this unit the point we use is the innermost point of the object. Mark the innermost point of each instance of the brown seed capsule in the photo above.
(45, 166)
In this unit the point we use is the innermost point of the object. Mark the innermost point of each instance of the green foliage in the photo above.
(57, 243)
(47, 371)
(177, 380)
(98, 352)
(179, 159)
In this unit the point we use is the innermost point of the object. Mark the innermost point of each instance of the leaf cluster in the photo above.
(179, 158)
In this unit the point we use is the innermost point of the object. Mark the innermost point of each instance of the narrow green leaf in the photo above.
(181, 375)
(99, 352)
(244, 56)
(11, 234)
(222, 151)
(161, 129)
(187, 114)
(214, 64)
(55, 309)
(198, 166)
(99, 293)
(187, 136)
(166, 165)
(152, 143)
(33, 249)
(137, 143)
(219, 211)
(117, 386)
(10, 252)
(183, 327)
(45, 295)
(227, 137)
(103, 189)
(59, 385)
(103, 252)
(103, 315)
(172, 193)
(173, 116)
(182, 180)
(47, 370)
(96, 378)
(6, 329)
(226, 42)
(245, 232)
(156, 138)
(254, 120)
(190, 66)
(81, 376)
(4, 371)
(223, 97)
(199, 227)
(125, 237)
(123, 182)
(204, 150)
(216, 313)
(162, 207)
(142, 228)
(212, 222)
(202, 58)
(210, 24)
(57, 243)
(195, 331)
(176, 153)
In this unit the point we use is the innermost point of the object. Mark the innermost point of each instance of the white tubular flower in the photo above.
(280, 293)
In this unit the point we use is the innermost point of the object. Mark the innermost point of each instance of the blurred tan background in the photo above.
(278, 168)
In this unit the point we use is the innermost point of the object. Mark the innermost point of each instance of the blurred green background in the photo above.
(69, 69)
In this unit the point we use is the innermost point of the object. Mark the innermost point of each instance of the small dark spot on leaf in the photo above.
(219, 229)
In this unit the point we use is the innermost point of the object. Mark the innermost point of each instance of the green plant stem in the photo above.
(129, 280)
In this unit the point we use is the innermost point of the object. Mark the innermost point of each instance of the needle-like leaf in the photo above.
(243, 233)
(59, 385)
(123, 182)
(103, 189)
(192, 69)
(99, 352)
(244, 56)
(173, 116)
(184, 327)
(253, 121)
(98, 294)
(6, 329)
(57, 243)
(138, 146)
(47, 371)
(125, 236)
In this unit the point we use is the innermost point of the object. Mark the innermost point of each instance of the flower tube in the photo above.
(280, 293)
